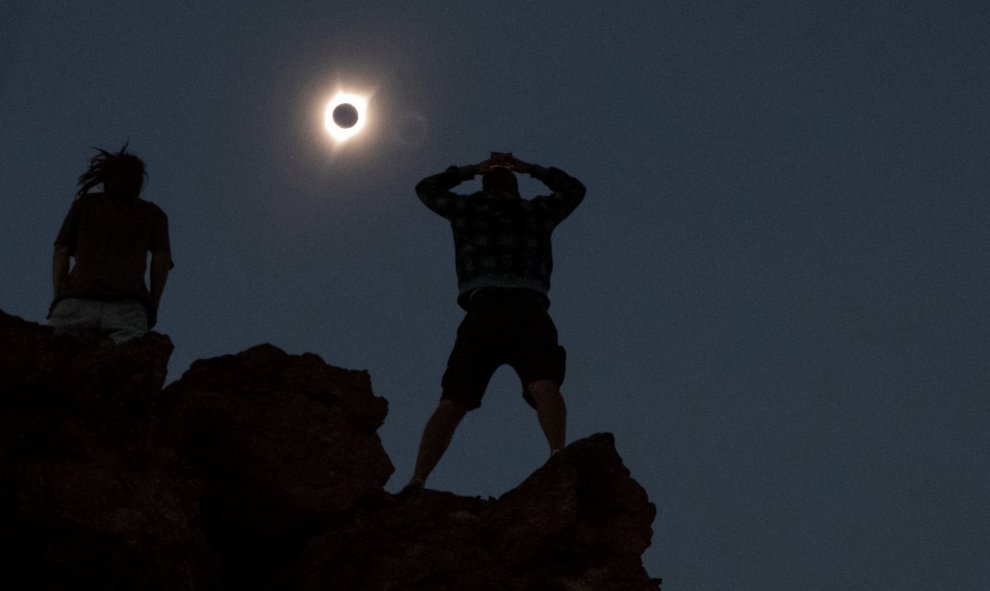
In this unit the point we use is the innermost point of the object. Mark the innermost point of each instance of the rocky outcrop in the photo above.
(578, 523)
(88, 498)
(281, 446)
(263, 470)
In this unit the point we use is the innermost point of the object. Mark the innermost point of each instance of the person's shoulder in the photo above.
(88, 202)
(151, 207)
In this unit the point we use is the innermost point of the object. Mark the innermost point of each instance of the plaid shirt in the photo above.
(502, 240)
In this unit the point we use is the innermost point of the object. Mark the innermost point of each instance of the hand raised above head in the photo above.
(482, 167)
(518, 165)
(501, 159)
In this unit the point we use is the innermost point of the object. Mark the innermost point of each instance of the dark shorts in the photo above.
(503, 327)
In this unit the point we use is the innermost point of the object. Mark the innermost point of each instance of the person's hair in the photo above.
(499, 179)
(121, 166)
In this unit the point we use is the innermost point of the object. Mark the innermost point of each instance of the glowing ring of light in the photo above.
(337, 132)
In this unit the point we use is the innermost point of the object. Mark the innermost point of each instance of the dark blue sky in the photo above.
(774, 293)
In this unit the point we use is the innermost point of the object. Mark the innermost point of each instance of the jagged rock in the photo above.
(263, 470)
(578, 523)
(98, 381)
(86, 497)
(281, 444)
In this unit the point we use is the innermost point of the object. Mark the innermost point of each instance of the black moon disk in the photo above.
(345, 115)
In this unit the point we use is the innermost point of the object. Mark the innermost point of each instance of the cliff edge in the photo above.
(263, 470)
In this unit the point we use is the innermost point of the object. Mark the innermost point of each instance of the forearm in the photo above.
(60, 269)
(160, 263)
(435, 191)
(556, 180)
(568, 192)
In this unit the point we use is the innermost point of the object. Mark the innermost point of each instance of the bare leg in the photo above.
(436, 437)
(551, 411)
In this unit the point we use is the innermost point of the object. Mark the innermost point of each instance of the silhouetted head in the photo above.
(500, 180)
(121, 174)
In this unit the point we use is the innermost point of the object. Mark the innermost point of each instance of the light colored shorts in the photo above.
(120, 321)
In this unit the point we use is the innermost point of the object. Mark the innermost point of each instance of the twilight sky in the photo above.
(774, 294)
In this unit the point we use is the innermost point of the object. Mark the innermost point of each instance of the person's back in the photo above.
(110, 240)
(500, 239)
(109, 235)
(504, 260)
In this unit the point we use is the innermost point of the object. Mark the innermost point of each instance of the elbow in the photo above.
(161, 260)
(61, 259)
(577, 191)
(426, 188)
(422, 189)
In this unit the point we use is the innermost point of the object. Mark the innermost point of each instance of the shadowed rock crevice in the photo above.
(263, 470)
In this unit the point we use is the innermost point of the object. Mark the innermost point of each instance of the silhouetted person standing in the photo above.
(503, 259)
(109, 234)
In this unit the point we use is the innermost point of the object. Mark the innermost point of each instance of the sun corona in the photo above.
(345, 116)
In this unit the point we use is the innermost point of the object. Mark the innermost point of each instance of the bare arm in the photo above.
(60, 268)
(161, 261)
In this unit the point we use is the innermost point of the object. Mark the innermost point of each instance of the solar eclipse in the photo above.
(345, 116)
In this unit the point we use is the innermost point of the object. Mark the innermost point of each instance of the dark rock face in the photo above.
(578, 523)
(263, 470)
(280, 445)
(88, 499)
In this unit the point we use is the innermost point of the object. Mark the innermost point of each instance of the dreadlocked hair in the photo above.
(121, 166)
